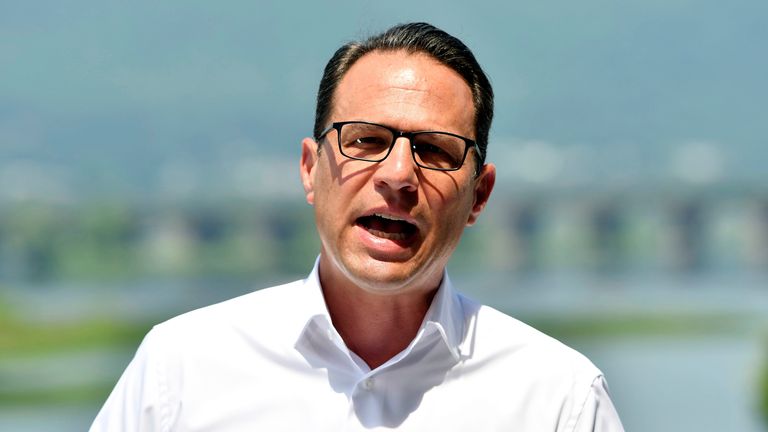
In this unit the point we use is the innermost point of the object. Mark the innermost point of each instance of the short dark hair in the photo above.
(413, 38)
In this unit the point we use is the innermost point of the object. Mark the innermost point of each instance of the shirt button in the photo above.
(368, 384)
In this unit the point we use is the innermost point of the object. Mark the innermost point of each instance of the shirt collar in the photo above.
(311, 302)
(445, 315)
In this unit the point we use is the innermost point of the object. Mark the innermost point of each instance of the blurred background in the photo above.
(149, 166)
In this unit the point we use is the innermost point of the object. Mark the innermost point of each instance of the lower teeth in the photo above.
(386, 235)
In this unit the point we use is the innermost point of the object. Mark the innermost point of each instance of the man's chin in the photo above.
(386, 277)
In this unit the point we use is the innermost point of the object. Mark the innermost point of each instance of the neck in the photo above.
(375, 326)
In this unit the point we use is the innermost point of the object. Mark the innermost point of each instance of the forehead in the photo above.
(411, 91)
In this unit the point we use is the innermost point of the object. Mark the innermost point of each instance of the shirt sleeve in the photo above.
(598, 413)
(139, 401)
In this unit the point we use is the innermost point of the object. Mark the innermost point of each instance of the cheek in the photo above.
(333, 199)
(452, 204)
(325, 209)
(452, 214)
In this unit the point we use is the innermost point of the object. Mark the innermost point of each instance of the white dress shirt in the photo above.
(272, 361)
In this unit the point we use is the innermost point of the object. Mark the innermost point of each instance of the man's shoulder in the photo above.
(262, 308)
(495, 334)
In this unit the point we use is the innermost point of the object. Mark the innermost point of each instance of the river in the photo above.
(683, 381)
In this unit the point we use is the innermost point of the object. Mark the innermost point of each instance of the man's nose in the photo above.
(398, 170)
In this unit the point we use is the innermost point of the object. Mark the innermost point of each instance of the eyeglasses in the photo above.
(371, 142)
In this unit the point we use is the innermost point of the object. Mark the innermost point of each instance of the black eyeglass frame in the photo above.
(397, 134)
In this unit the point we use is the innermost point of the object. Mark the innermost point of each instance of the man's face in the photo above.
(390, 227)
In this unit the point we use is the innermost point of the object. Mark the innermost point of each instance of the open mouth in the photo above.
(388, 227)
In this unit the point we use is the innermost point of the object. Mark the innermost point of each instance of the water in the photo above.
(697, 381)
(69, 418)
(682, 384)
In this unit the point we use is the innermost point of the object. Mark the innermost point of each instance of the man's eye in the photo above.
(428, 149)
(369, 141)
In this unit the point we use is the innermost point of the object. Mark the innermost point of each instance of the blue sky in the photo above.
(118, 96)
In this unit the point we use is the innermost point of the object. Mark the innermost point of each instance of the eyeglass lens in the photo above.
(372, 143)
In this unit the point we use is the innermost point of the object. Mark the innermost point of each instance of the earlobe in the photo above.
(307, 168)
(483, 187)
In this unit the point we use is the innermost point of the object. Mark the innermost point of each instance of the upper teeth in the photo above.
(390, 217)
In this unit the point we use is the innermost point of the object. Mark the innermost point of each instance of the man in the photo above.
(376, 336)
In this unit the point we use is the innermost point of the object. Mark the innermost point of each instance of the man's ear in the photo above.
(483, 187)
(307, 168)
